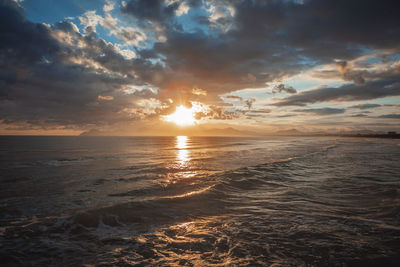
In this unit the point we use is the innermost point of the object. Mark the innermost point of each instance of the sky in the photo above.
(123, 67)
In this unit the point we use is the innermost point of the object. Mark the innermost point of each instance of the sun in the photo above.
(182, 116)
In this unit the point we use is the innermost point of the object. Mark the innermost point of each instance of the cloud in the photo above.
(107, 97)
(281, 88)
(286, 115)
(151, 10)
(129, 35)
(222, 15)
(108, 6)
(390, 116)
(90, 19)
(198, 91)
(349, 74)
(258, 113)
(234, 97)
(366, 106)
(359, 116)
(54, 75)
(216, 113)
(262, 111)
(299, 37)
(183, 8)
(322, 111)
(249, 102)
(348, 92)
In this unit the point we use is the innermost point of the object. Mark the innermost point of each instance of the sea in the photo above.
(199, 201)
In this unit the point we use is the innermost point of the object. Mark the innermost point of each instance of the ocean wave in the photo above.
(307, 203)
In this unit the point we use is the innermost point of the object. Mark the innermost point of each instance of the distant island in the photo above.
(392, 135)
(230, 131)
(93, 132)
(364, 133)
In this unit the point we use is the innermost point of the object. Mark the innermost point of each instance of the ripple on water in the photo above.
(326, 203)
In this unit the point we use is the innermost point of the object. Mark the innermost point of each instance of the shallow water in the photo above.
(199, 201)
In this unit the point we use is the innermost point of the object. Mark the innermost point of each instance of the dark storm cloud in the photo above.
(319, 24)
(53, 75)
(153, 10)
(351, 92)
(269, 40)
(350, 75)
(22, 42)
(322, 111)
(212, 64)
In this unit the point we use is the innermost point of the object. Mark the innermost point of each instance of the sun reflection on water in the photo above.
(182, 152)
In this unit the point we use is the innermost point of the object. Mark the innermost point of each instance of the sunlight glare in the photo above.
(181, 142)
(181, 145)
(182, 116)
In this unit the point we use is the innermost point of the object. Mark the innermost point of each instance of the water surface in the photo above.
(200, 201)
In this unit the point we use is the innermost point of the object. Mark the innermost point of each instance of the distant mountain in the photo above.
(93, 132)
(229, 131)
(189, 131)
(361, 132)
(290, 132)
(320, 133)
